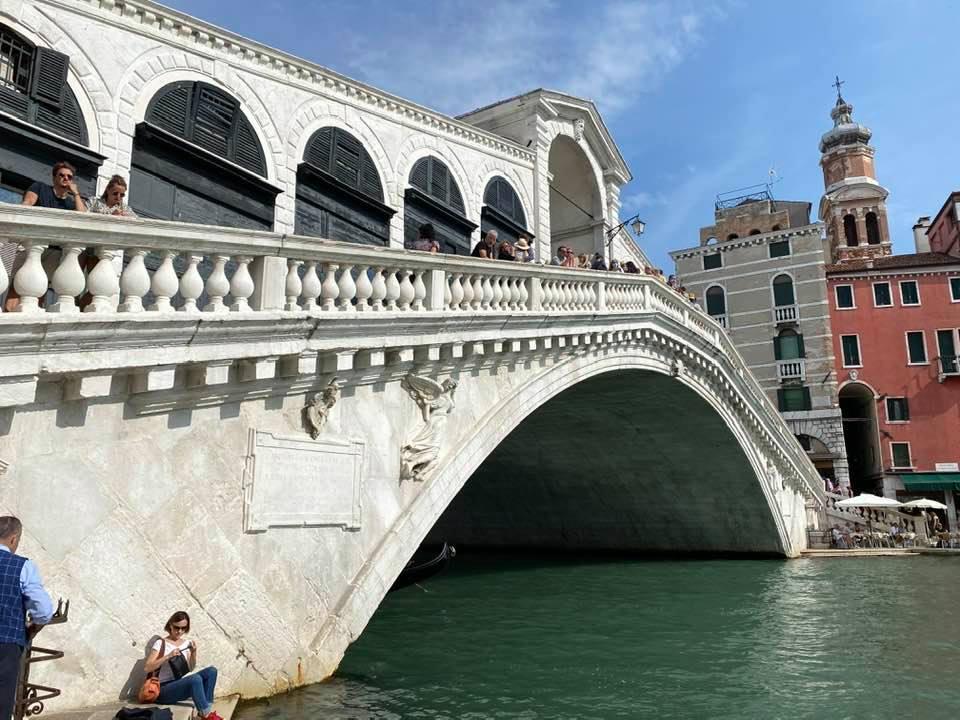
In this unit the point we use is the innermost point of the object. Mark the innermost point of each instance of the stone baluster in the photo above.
(241, 284)
(581, 292)
(134, 282)
(497, 293)
(456, 291)
(477, 302)
(217, 286)
(467, 285)
(30, 282)
(546, 298)
(379, 290)
(554, 295)
(329, 290)
(164, 283)
(524, 295)
(103, 283)
(566, 297)
(292, 286)
(510, 293)
(364, 289)
(191, 284)
(419, 290)
(393, 290)
(68, 280)
(347, 289)
(310, 287)
(407, 293)
(487, 296)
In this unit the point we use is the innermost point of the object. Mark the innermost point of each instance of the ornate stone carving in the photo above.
(420, 452)
(318, 409)
(578, 126)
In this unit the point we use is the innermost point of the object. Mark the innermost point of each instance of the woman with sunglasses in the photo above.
(175, 657)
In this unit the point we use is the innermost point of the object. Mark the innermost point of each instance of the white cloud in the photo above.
(465, 55)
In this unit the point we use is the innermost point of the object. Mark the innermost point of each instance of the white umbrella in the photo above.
(866, 500)
(925, 504)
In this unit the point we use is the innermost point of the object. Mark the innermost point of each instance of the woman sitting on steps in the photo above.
(176, 657)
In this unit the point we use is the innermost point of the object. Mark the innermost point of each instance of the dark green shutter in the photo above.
(456, 200)
(247, 148)
(320, 149)
(49, 77)
(800, 346)
(419, 175)
(213, 120)
(14, 103)
(347, 159)
(777, 352)
(806, 398)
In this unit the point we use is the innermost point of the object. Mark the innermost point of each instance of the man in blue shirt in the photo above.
(21, 592)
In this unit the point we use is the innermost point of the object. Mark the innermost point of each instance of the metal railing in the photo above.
(949, 365)
(30, 697)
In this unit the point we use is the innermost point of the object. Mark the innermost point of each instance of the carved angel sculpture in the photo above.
(436, 403)
(319, 407)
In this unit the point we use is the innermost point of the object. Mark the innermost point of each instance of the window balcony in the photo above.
(791, 370)
(721, 319)
(949, 366)
(785, 314)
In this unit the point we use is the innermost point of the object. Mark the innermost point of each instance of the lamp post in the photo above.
(634, 222)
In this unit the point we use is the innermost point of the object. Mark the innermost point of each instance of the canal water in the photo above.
(527, 637)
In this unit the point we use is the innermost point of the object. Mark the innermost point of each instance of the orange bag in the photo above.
(150, 690)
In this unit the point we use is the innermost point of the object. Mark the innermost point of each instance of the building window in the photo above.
(898, 410)
(948, 353)
(788, 345)
(503, 212)
(805, 443)
(845, 297)
(916, 348)
(778, 249)
(882, 297)
(900, 452)
(716, 301)
(850, 344)
(850, 230)
(434, 197)
(783, 291)
(909, 292)
(955, 289)
(754, 232)
(712, 261)
(873, 229)
(732, 236)
(793, 398)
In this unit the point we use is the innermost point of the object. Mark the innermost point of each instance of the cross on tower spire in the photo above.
(837, 83)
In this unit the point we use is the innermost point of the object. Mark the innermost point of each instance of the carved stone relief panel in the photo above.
(294, 482)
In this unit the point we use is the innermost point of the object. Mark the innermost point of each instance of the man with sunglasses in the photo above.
(62, 195)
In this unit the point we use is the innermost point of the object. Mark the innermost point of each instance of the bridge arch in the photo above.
(776, 512)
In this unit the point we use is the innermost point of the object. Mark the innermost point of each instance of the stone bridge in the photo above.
(159, 448)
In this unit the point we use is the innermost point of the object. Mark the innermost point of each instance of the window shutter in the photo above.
(13, 103)
(906, 408)
(806, 398)
(776, 349)
(781, 400)
(418, 176)
(456, 200)
(439, 182)
(49, 77)
(320, 150)
(800, 346)
(67, 122)
(247, 148)
(213, 119)
(370, 180)
(169, 111)
(346, 159)
(490, 194)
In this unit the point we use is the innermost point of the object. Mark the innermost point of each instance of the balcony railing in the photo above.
(949, 366)
(786, 314)
(721, 320)
(791, 370)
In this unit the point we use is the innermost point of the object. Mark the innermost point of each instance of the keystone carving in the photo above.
(319, 407)
(419, 454)
(578, 126)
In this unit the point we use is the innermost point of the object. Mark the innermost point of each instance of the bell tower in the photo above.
(853, 207)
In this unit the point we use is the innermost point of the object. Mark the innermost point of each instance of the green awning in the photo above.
(931, 481)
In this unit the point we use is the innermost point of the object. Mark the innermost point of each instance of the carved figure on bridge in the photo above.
(319, 407)
(436, 403)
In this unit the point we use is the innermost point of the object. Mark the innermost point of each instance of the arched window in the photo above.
(34, 93)
(788, 345)
(754, 232)
(850, 230)
(732, 236)
(196, 158)
(433, 197)
(783, 290)
(873, 229)
(774, 228)
(339, 195)
(711, 241)
(716, 301)
(502, 211)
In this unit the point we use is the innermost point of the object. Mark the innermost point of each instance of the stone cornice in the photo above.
(761, 239)
(875, 274)
(184, 30)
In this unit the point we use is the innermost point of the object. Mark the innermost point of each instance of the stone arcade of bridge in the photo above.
(160, 459)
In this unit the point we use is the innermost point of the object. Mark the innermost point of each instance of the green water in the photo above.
(502, 637)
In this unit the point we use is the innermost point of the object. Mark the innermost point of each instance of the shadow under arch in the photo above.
(628, 460)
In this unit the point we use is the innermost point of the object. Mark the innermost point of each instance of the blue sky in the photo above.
(702, 97)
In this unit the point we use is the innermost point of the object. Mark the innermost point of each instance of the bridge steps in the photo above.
(224, 706)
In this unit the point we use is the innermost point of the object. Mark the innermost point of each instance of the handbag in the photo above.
(150, 690)
(178, 666)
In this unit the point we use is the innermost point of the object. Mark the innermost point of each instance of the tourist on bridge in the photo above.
(523, 250)
(487, 247)
(426, 240)
(112, 200)
(174, 658)
(506, 252)
(24, 607)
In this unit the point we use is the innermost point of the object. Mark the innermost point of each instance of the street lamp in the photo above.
(634, 222)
